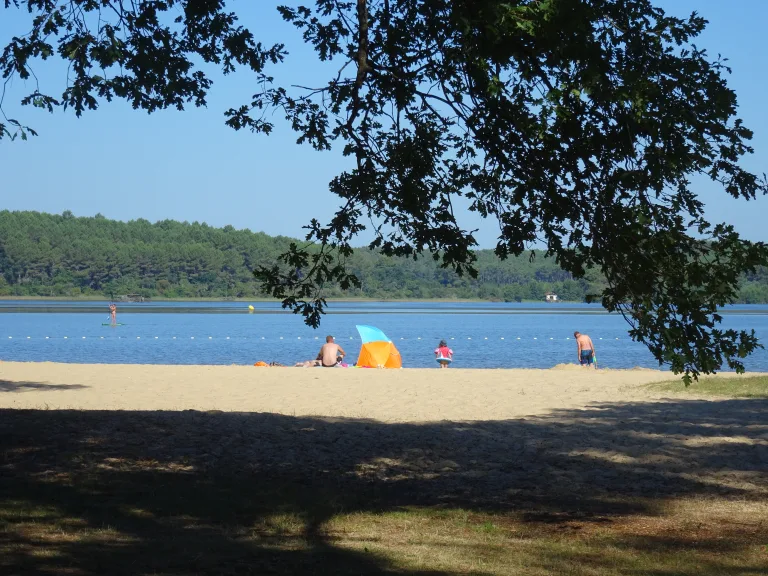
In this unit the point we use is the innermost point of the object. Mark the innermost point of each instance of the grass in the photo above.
(732, 387)
(689, 537)
(462, 542)
(610, 491)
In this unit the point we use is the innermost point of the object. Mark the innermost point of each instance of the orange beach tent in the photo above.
(377, 350)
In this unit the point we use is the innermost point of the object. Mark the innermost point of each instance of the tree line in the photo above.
(63, 255)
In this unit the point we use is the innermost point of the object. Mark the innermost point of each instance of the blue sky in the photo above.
(188, 165)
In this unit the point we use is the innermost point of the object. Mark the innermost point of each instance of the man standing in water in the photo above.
(113, 314)
(585, 349)
(330, 353)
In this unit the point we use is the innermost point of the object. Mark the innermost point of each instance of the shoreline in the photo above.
(563, 367)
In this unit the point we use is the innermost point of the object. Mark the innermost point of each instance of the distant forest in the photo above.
(62, 255)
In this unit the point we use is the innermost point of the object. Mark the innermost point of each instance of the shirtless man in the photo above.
(585, 349)
(113, 314)
(331, 353)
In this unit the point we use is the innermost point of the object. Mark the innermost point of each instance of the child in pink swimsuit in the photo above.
(443, 354)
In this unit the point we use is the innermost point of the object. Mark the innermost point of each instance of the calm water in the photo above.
(482, 335)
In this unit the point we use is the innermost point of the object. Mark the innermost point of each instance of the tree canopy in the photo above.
(574, 123)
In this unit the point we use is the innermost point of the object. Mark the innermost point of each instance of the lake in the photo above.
(482, 335)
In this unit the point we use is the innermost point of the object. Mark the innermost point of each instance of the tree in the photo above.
(576, 123)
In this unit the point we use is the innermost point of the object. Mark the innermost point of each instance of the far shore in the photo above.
(101, 298)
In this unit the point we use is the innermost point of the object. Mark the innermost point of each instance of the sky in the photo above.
(189, 166)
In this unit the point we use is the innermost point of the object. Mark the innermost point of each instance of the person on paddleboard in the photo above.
(113, 314)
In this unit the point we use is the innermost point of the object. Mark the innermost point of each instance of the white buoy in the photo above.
(83, 337)
(47, 338)
(227, 337)
(486, 338)
(210, 337)
(535, 338)
(299, 338)
(518, 337)
(551, 338)
(281, 337)
(102, 337)
(174, 337)
(66, 338)
(10, 337)
(138, 337)
(470, 338)
(419, 338)
(502, 337)
(192, 338)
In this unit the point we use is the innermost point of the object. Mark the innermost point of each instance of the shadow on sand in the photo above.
(191, 492)
(10, 386)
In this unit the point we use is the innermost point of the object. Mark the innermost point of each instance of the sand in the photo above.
(410, 395)
(545, 442)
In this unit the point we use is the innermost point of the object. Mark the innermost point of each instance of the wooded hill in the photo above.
(62, 255)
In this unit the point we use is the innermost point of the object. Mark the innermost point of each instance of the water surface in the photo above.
(482, 335)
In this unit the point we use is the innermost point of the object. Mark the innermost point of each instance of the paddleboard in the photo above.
(109, 324)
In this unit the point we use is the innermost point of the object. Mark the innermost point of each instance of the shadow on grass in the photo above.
(223, 493)
(10, 386)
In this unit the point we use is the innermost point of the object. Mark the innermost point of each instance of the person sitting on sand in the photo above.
(331, 353)
(443, 354)
(585, 349)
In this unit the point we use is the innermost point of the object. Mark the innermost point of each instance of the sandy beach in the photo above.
(499, 425)
(233, 453)
(410, 395)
